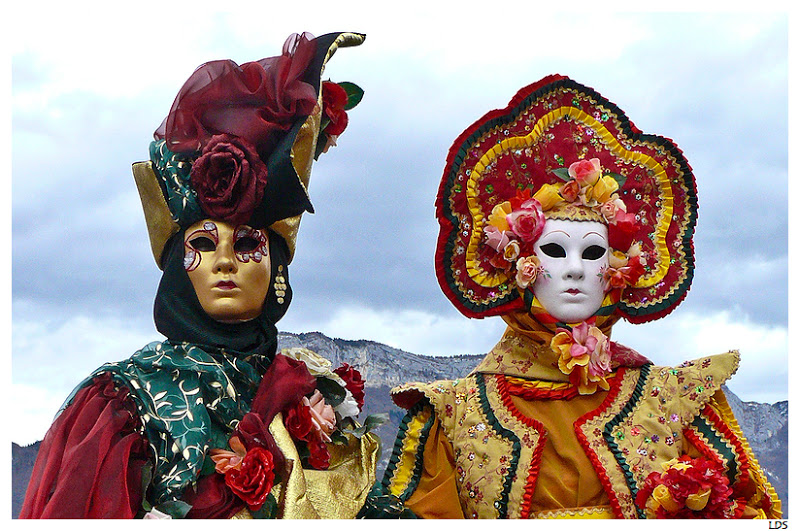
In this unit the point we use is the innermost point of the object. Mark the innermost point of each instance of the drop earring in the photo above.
(280, 285)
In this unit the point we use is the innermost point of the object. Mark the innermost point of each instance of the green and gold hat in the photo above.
(239, 141)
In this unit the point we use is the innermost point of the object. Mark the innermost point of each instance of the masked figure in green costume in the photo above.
(213, 422)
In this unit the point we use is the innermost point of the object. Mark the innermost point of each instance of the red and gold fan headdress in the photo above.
(561, 150)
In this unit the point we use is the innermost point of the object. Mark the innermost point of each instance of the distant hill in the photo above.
(765, 425)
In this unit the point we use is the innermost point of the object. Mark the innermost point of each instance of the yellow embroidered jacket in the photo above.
(477, 448)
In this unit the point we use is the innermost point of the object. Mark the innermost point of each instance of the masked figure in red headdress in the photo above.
(560, 216)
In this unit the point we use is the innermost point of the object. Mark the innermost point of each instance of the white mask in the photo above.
(574, 255)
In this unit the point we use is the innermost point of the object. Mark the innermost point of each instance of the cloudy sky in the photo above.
(87, 93)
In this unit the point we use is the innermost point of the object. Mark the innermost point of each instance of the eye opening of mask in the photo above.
(593, 252)
(553, 250)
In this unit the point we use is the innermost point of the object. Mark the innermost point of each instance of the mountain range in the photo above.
(766, 426)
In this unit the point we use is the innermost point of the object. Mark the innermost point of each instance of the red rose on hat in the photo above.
(229, 178)
(334, 99)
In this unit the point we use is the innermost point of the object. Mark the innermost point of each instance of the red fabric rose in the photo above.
(353, 382)
(688, 488)
(334, 98)
(298, 422)
(229, 178)
(319, 457)
(253, 481)
(621, 233)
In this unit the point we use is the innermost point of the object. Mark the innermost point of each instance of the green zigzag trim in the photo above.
(609, 437)
(502, 509)
(716, 441)
(391, 468)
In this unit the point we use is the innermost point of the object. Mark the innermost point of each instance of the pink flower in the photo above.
(495, 238)
(584, 355)
(612, 208)
(585, 172)
(322, 415)
(527, 270)
(527, 223)
(225, 460)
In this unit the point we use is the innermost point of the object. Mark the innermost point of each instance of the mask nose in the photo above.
(225, 260)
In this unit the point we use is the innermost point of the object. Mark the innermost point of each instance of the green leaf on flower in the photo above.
(338, 437)
(354, 94)
(269, 510)
(619, 178)
(370, 423)
(562, 173)
(333, 392)
(175, 508)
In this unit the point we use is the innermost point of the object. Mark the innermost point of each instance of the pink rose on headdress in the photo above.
(495, 238)
(527, 222)
(527, 271)
(229, 178)
(586, 172)
(613, 207)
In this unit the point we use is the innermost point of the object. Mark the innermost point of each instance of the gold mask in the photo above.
(229, 268)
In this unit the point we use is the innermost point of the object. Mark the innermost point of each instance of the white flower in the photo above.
(317, 365)
(348, 407)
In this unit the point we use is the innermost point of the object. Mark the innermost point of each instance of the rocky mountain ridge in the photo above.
(383, 367)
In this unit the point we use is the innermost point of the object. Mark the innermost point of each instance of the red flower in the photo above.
(298, 422)
(621, 233)
(229, 178)
(353, 382)
(334, 98)
(318, 457)
(253, 481)
(688, 488)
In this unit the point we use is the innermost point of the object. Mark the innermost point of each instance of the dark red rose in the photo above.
(298, 422)
(319, 457)
(334, 98)
(253, 481)
(229, 178)
(353, 381)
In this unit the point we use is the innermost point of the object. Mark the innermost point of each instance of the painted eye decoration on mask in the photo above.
(199, 241)
(249, 244)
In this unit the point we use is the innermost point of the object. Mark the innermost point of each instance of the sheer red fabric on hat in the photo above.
(258, 100)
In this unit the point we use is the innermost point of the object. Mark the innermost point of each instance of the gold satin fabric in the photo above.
(336, 493)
